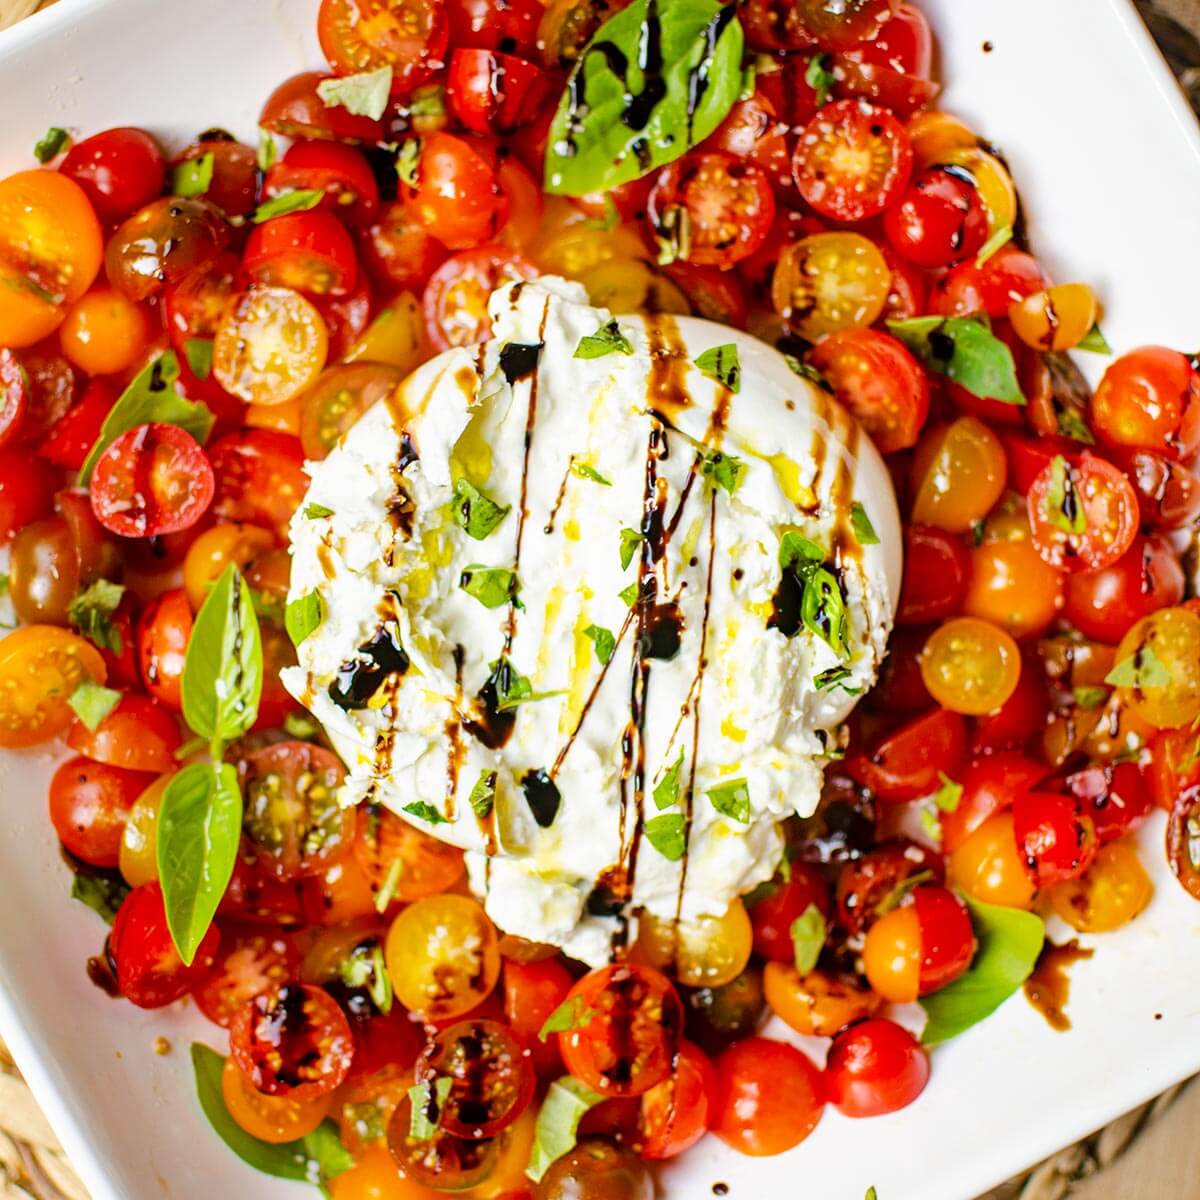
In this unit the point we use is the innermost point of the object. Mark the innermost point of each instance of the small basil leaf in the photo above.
(798, 553)
(948, 797)
(724, 470)
(513, 688)
(811, 374)
(836, 677)
(1062, 506)
(732, 800)
(91, 612)
(966, 351)
(103, 893)
(199, 827)
(573, 1013)
(823, 611)
(199, 355)
(608, 339)
(667, 834)
(1142, 669)
(587, 471)
(268, 150)
(558, 1123)
(996, 242)
(426, 1107)
(299, 200)
(408, 160)
(193, 176)
(629, 594)
(808, 938)
(303, 616)
(151, 397)
(1010, 941)
(631, 539)
(475, 512)
(1090, 697)
(493, 587)
(722, 364)
(657, 79)
(666, 791)
(483, 794)
(51, 144)
(91, 703)
(820, 78)
(365, 95)
(864, 531)
(223, 670)
(1095, 342)
(424, 812)
(603, 641)
(314, 512)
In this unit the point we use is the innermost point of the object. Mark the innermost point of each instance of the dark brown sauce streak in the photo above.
(1049, 987)
(548, 528)
(401, 511)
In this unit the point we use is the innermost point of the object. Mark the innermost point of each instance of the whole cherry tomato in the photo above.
(786, 900)
(676, 1113)
(769, 1097)
(936, 571)
(89, 805)
(1009, 275)
(939, 220)
(875, 1067)
(1150, 399)
(455, 190)
(120, 170)
(1056, 840)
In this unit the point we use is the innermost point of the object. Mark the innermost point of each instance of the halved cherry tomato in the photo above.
(906, 295)
(341, 172)
(233, 186)
(292, 813)
(163, 633)
(940, 219)
(491, 92)
(339, 398)
(255, 895)
(1115, 796)
(920, 946)
(162, 243)
(909, 763)
(252, 960)
(1058, 318)
(1109, 894)
(753, 131)
(829, 282)
(400, 251)
(989, 785)
(879, 381)
(936, 572)
(532, 991)
(508, 25)
(1170, 697)
(1183, 839)
(40, 668)
(455, 299)
(1007, 277)
(89, 805)
(292, 1041)
(410, 36)
(869, 886)
(260, 478)
(139, 734)
(703, 952)
(119, 170)
(53, 388)
(104, 332)
(14, 395)
(391, 850)
(305, 251)
(894, 68)
(1150, 398)
(150, 972)
(675, 1114)
(875, 1067)
(817, 1004)
(153, 479)
(296, 110)
(988, 866)
(958, 474)
(1168, 492)
(442, 1162)
(713, 294)
(786, 900)
(840, 26)
(769, 1097)
(1055, 840)
(631, 1042)
(456, 193)
(271, 1119)
(970, 666)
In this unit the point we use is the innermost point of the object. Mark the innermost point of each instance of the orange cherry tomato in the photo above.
(987, 866)
(274, 1119)
(214, 550)
(1058, 318)
(892, 955)
(336, 401)
(40, 668)
(392, 852)
(828, 282)
(958, 473)
(935, 134)
(817, 1004)
(104, 332)
(1109, 894)
(1012, 586)
(375, 1176)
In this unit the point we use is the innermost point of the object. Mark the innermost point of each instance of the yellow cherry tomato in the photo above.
(40, 668)
(970, 666)
(992, 181)
(1056, 319)
(1158, 668)
(104, 332)
(1109, 894)
(816, 1004)
(1012, 586)
(214, 550)
(442, 956)
(828, 282)
(569, 243)
(934, 135)
(396, 337)
(703, 953)
(137, 857)
(629, 285)
(271, 344)
(375, 1176)
(274, 1119)
(987, 866)
(958, 472)
(892, 955)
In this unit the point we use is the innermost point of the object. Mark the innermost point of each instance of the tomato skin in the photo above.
(139, 734)
(14, 395)
(936, 573)
(675, 1114)
(251, 960)
(938, 221)
(909, 762)
(341, 172)
(891, 955)
(119, 170)
(457, 194)
(234, 185)
(89, 804)
(162, 639)
(1168, 492)
(719, 1016)
(1009, 275)
(509, 25)
(270, 1119)
(26, 491)
(308, 251)
(1103, 604)
(769, 1097)
(532, 991)
(364, 35)
(492, 92)
(1055, 839)
(772, 916)
(989, 785)
(163, 242)
(1150, 399)
(295, 110)
(1115, 797)
(906, 296)
(752, 131)
(72, 436)
(875, 1067)
(455, 299)
(260, 478)
(879, 381)
(150, 972)
(399, 251)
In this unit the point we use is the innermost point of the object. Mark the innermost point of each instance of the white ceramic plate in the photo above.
(1108, 159)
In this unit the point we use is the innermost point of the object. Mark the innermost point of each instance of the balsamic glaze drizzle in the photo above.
(360, 677)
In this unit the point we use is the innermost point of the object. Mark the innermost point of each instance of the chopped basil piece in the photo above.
(836, 677)
(512, 688)
(483, 794)
(193, 176)
(864, 531)
(103, 893)
(475, 512)
(798, 367)
(797, 552)
(315, 512)
(820, 78)
(407, 161)
(1062, 507)
(365, 95)
(1090, 697)
(268, 150)
(1095, 342)
(666, 833)
(631, 539)
(587, 471)
(427, 1105)
(51, 144)
(301, 726)
(1071, 424)
(603, 641)
(629, 594)
(666, 791)
(493, 587)
(732, 800)
(199, 355)
(930, 823)
(808, 938)
(722, 364)
(573, 1013)
(557, 1124)
(91, 703)
(424, 812)
(966, 351)
(1142, 669)
(91, 613)
(298, 200)
(724, 470)
(996, 242)
(364, 969)
(304, 616)
(608, 339)
(947, 798)
(673, 235)
(429, 100)
(823, 611)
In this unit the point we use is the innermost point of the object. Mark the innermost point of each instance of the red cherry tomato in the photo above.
(1021, 717)
(89, 804)
(947, 939)
(1168, 492)
(676, 1113)
(769, 1097)
(491, 92)
(852, 160)
(1009, 275)
(255, 895)
(139, 734)
(73, 435)
(410, 36)
(150, 972)
(14, 395)
(937, 567)
(1082, 515)
(399, 251)
(1103, 604)
(296, 110)
(867, 885)
(455, 299)
(711, 209)
(251, 961)
(1028, 457)
(875, 1067)
(753, 131)
(508, 25)
(631, 1042)
(120, 170)
(989, 785)
(879, 381)
(233, 187)
(162, 640)
(772, 917)
(712, 293)
(1114, 796)
(894, 68)
(293, 1041)
(532, 991)
(901, 686)
(154, 479)
(906, 297)
(305, 251)
(909, 763)
(1055, 840)
(122, 664)
(456, 194)
(1150, 398)
(341, 172)
(26, 491)
(260, 478)
(939, 220)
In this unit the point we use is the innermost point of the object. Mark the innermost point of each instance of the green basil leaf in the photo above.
(51, 144)
(927, 815)
(407, 161)
(149, 398)
(315, 1158)
(493, 587)
(996, 242)
(513, 688)
(193, 176)
(724, 470)
(483, 794)
(1010, 941)
(103, 893)
(823, 611)
(948, 797)
(427, 1103)
(199, 355)
(365, 95)
(199, 827)
(1095, 342)
(475, 512)
(966, 351)
(629, 594)
(1090, 697)
(732, 800)
(91, 703)
(666, 791)
(667, 834)
(808, 938)
(314, 512)
(798, 367)
(1062, 506)
(1142, 669)
(797, 553)
(223, 670)
(573, 1013)
(587, 471)
(298, 200)
(603, 641)
(268, 150)
(91, 612)
(557, 1124)
(302, 727)
(424, 812)
(608, 339)
(864, 531)
(722, 364)
(836, 677)
(820, 78)
(631, 539)
(623, 113)
(303, 616)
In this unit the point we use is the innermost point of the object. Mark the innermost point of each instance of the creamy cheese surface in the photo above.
(556, 693)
